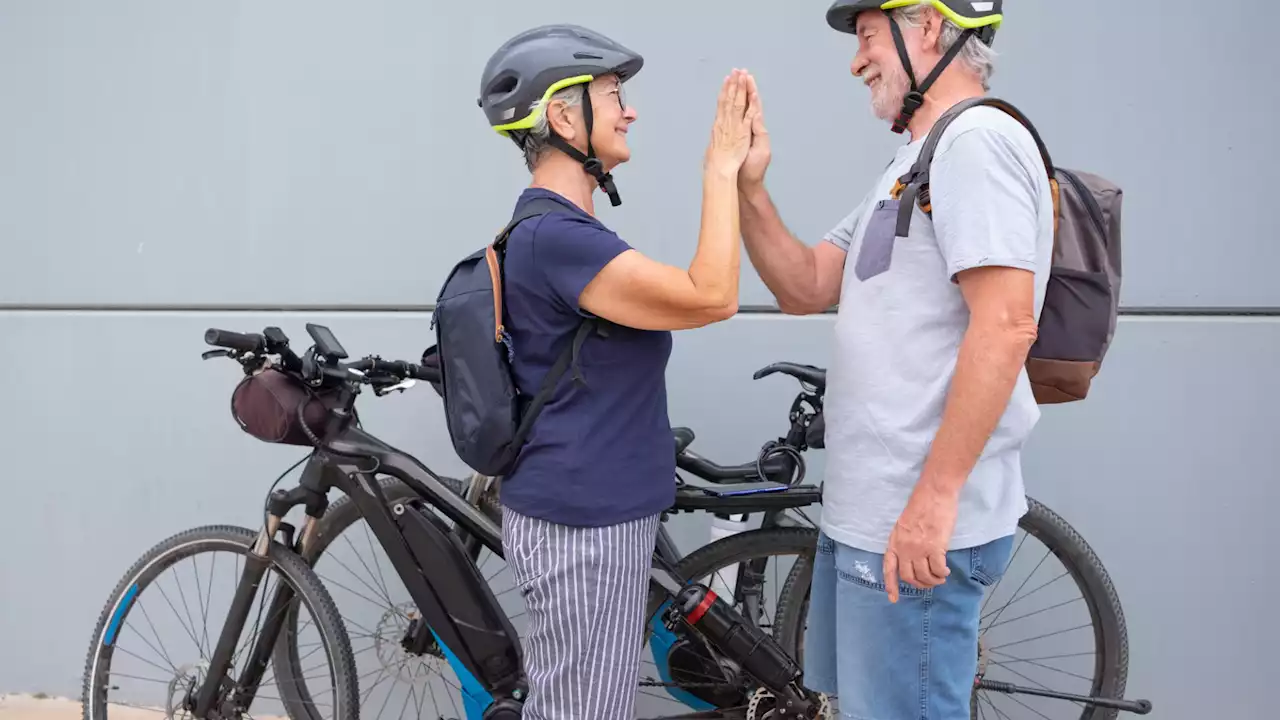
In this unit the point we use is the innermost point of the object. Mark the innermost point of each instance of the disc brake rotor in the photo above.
(760, 707)
(406, 667)
(183, 684)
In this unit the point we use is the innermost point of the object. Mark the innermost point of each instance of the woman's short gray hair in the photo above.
(976, 56)
(535, 141)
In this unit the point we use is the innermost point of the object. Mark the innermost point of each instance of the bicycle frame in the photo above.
(458, 610)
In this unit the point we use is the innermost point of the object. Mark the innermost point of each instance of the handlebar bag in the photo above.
(266, 405)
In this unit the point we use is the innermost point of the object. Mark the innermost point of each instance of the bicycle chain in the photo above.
(753, 705)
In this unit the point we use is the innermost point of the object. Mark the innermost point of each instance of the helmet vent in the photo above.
(503, 85)
(587, 56)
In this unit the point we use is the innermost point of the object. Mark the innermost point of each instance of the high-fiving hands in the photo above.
(731, 131)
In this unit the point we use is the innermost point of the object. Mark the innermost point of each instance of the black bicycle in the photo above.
(713, 652)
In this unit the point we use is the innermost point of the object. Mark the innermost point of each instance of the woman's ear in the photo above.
(560, 120)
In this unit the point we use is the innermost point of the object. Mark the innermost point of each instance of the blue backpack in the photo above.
(488, 417)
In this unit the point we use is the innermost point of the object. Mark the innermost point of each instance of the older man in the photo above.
(928, 403)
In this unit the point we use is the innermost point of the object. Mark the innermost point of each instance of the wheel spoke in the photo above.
(113, 680)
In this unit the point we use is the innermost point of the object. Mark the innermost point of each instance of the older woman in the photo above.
(581, 508)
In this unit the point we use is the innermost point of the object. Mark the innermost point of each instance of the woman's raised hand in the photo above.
(731, 132)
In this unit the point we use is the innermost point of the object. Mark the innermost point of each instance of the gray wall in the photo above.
(170, 166)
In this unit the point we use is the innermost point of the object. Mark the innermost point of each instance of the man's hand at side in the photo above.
(917, 549)
(1002, 329)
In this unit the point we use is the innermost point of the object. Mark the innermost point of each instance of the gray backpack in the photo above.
(488, 417)
(1082, 299)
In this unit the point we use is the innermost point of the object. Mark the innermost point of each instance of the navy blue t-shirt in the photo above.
(602, 453)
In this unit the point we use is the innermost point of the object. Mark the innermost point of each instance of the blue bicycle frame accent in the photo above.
(475, 699)
(660, 643)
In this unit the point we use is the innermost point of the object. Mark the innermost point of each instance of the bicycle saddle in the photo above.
(683, 437)
(815, 376)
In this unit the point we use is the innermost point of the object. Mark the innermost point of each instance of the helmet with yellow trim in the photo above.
(529, 68)
(976, 18)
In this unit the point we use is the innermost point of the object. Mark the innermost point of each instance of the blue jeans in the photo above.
(913, 660)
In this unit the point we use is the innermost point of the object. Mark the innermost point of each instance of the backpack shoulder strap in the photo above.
(567, 356)
(913, 186)
(495, 253)
(531, 209)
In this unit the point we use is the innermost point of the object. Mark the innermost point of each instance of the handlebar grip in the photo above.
(244, 342)
(417, 372)
(425, 374)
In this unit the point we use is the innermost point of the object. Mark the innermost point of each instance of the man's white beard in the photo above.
(889, 92)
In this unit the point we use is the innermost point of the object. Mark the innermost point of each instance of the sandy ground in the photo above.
(29, 707)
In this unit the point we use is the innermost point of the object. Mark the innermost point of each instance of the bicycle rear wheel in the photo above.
(129, 632)
(1041, 605)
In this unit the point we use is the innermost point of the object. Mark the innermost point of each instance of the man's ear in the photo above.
(931, 31)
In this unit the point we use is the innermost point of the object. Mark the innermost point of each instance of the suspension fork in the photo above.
(256, 564)
(311, 493)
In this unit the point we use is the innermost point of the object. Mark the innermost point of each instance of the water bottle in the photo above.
(725, 581)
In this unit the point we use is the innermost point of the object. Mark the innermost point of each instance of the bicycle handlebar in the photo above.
(272, 341)
(324, 360)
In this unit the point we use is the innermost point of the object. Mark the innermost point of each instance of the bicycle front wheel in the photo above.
(1052, 623)
(153, 643)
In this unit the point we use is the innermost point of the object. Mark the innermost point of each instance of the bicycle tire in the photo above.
(1111, 667)
(745, 545)
(308, 588)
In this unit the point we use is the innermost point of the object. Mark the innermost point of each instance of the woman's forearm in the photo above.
(716, 264)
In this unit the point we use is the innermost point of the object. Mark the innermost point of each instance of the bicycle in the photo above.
(778, 461)
(457, 614)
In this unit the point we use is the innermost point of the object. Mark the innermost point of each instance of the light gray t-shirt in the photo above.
(901, 321)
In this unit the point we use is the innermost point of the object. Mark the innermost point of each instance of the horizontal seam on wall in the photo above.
(1139, 311)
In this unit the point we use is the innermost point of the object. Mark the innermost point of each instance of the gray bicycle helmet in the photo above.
(527, 69)
(978, 19)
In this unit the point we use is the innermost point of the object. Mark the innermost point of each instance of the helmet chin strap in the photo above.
(915, 98)
(590, 162)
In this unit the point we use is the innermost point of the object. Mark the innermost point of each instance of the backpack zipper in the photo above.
(1090, 204)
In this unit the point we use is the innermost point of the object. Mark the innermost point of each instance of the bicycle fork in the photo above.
(201, 701)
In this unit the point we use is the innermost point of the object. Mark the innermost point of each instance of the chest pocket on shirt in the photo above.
(876, 252)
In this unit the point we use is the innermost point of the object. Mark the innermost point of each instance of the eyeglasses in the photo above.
(620, 92)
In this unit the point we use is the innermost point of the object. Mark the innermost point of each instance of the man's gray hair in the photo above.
(536, 140)
(977, 57)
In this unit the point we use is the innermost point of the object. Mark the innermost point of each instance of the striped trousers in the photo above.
(585, 590)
